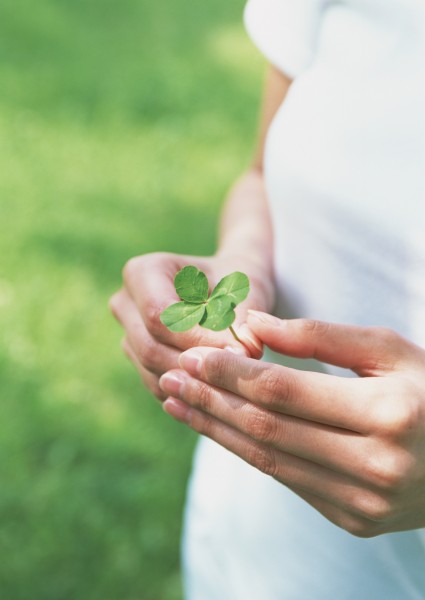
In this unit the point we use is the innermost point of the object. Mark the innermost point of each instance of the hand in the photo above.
(148, 289)
(354, 448)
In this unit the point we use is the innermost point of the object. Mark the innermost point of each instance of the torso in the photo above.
(345, 172)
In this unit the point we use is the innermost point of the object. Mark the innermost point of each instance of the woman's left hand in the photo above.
(354, 448)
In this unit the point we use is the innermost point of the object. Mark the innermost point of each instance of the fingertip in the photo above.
(253, 347)
(177, 409)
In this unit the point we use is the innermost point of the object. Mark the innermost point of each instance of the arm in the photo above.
(245, 224)
(244, 244)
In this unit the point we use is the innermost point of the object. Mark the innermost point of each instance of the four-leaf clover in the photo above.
(214, 312)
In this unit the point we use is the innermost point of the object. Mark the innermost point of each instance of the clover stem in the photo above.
(235, 335)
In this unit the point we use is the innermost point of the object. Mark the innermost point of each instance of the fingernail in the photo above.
(265, 318)
(238, 351)
(244, 333)
(171, 383)
(191, 361)
(177, 409)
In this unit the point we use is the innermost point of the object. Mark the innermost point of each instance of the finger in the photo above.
(338, 449)
(355, 524)
(292, 471)
(152, 355)
(330, 400)
(149, 380)
(150, 283)
(368, 351)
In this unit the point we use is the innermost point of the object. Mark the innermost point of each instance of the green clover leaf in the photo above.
(215, 312)
(234, 288)
(182, 316)
(219, 314)
(191, 285)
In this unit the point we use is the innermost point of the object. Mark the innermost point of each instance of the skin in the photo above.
(353, 448)
(245, 244)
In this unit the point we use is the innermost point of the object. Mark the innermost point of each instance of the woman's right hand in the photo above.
(246, 244)
(148, 288)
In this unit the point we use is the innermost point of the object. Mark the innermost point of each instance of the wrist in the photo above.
(258, 269)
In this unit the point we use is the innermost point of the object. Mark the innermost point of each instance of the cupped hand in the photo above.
(149, 288)
(354, 448)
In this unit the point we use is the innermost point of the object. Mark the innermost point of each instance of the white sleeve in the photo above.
(285, 31)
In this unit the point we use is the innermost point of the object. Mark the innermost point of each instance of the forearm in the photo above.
(246, 235)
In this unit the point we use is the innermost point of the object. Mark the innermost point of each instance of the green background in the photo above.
(122, 123)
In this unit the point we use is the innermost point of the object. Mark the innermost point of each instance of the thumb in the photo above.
(246, 339)
(365, 350)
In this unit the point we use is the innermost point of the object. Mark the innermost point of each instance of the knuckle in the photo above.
(131, 268)
(136, 265)
(203, 424)
(390, 472)
(355, 524)
(204, 398)
(216, 367)
(399, 415)
(260, 425)
(115, 303)
(372, 508)
(269, 386)
(151, 317)
(315, 330)
(313, 327)
(406, 420)
(388, 336)
(263, 459)
(361, 529)
(146, 351)
(388, 344)
(387, 348)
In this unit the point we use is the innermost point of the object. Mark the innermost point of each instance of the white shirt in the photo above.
(345, 173)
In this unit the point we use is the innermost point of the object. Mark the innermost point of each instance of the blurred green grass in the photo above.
(121, 126)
